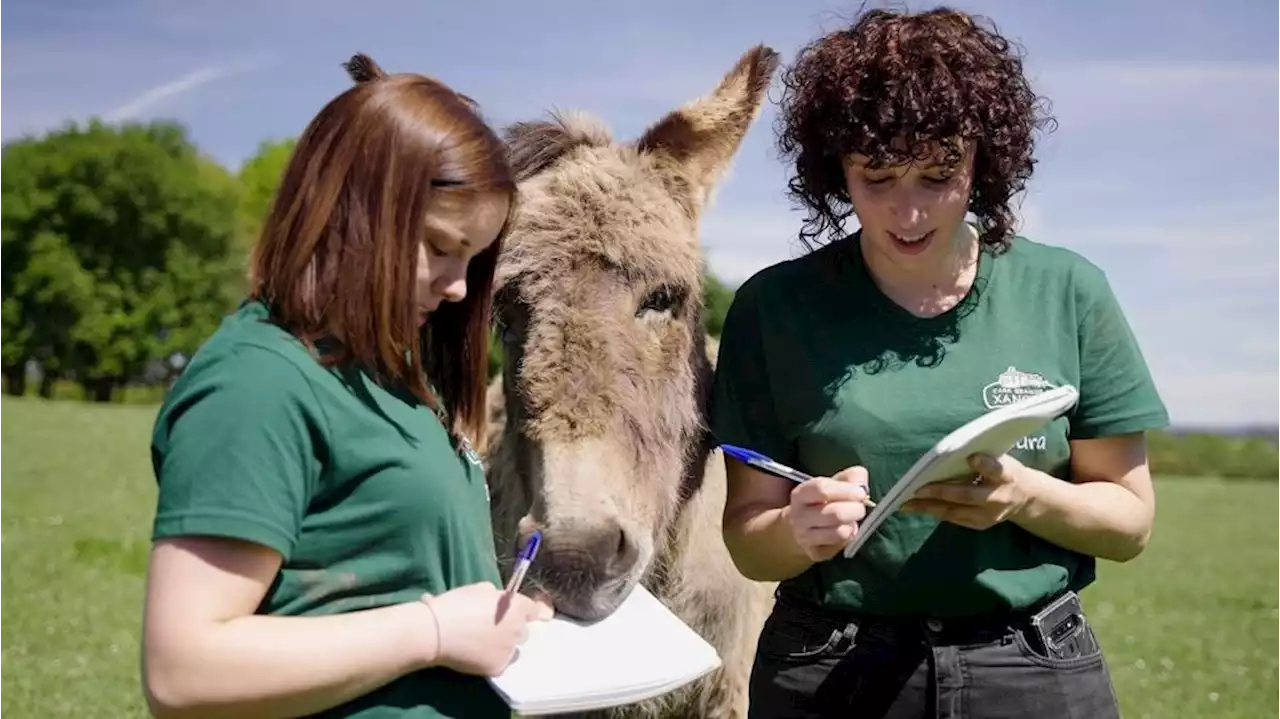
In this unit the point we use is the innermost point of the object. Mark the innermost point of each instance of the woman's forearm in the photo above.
(268, 666)
(1099, 518)
(762, 545)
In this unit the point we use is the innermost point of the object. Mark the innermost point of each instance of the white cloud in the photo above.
(1217, 396)
(1169, 78)
(71, 77)
(1168, 95)
(155, 96)
(740, 242)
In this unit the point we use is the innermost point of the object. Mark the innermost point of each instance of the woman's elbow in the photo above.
(167, 694)
(171, 691)
(1130, 544)
(164, 699)
(1133, 536)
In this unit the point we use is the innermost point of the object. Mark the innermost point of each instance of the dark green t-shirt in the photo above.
(361, 490)
(820, 370)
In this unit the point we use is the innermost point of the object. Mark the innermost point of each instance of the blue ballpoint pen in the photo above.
(523, 561)
(777, 469)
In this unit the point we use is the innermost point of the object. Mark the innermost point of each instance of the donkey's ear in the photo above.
(698, 140)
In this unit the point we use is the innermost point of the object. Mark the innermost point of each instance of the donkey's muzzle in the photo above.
(585, 569)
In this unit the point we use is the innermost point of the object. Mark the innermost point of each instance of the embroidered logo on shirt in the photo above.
(465, 448)
(1012, 385)
(464, 445)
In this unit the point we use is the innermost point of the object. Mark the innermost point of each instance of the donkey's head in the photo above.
(599, 306)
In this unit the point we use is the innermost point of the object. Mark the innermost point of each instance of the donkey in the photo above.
(598, 434)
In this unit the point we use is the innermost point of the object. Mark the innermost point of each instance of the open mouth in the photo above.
(912, 244)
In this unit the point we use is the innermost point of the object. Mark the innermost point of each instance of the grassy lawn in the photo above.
(1190, 627)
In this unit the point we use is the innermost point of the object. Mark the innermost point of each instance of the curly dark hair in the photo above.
(930, 77)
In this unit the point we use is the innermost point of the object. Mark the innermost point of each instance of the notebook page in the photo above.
(639, 648)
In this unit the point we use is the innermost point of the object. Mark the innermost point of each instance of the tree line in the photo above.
(124, 246)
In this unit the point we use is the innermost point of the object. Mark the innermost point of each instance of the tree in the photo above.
(115, 251)
(716, 298)
(259, 180)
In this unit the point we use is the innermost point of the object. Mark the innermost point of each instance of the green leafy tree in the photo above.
(115, 251)
(259, 180)
(716, 298)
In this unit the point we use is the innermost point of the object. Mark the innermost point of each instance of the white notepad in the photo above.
(642, 650)
(993, 433)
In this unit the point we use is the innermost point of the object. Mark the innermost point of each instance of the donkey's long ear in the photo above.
(697, 142)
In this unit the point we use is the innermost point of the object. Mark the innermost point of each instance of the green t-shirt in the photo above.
(820, 370)
(361, 490)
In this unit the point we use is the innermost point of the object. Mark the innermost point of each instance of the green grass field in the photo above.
(1190, 627)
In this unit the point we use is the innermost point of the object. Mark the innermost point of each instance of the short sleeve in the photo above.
(236, 450)
(742, 409)
(1117, 393)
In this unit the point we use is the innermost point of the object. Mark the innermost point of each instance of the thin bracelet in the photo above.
(427, 599)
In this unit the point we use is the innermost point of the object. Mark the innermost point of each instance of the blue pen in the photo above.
(769, 466)
(523, 561)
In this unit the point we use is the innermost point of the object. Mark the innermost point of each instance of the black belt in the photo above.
(972, 629)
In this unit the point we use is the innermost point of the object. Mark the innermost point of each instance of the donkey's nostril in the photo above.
(590, 557)
(625, 552)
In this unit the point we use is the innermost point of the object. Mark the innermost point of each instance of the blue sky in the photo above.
(1162, 170)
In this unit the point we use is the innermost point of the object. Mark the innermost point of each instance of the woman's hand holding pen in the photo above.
(479, 626)
(825, 511)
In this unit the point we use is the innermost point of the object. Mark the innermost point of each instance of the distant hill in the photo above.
(1269, 432)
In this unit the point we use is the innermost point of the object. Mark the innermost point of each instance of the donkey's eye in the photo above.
(663, 299)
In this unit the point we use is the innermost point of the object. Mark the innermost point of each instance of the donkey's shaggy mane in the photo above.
(535, 145)
(595, 203)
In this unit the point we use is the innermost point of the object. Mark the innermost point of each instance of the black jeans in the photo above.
(812, 665)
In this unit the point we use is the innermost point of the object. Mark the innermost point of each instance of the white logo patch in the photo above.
(468, 451)
(1013, 385)
(464, 446)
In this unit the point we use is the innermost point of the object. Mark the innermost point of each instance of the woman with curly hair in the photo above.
(849, 362)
